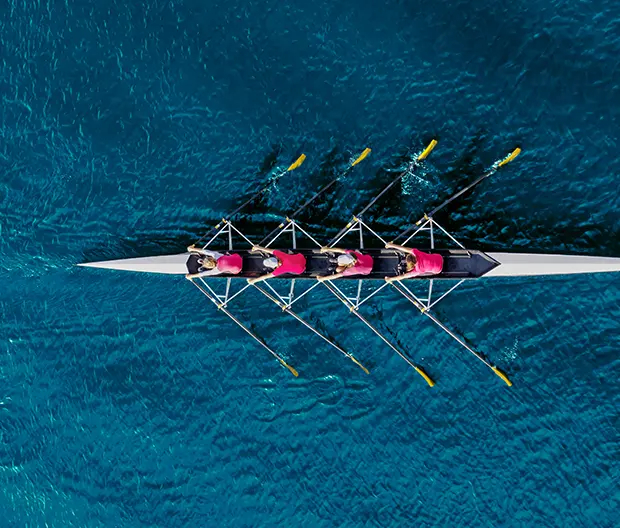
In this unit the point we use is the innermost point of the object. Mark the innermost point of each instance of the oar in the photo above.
(413, 165)
(410, 168)
(426, 312)
(297, 163)
(494, 168)
(353, 310)
(310, 327)
(325, 188)
(249, 332)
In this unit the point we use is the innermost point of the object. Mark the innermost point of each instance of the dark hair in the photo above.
(411, 261)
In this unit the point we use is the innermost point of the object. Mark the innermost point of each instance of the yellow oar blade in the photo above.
(359, 364)
(361, 157)
(502, 375)
(297, 163)
(426, 377)
(509, 158)
(293, 371)
(427, 150)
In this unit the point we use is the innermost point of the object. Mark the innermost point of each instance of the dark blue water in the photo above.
(128, 130)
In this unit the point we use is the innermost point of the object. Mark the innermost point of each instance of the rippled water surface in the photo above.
(127, 130)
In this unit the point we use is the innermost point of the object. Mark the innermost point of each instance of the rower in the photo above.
(418, 263)
(350, 262)
(213, 263)
(281, 263)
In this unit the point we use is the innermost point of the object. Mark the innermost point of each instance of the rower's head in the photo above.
(207, 262)
(411, 261)
(347, 260)
(271, 262)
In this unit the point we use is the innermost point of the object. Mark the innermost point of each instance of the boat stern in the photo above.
(165, 264)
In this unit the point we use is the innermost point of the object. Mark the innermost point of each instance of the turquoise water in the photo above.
(127, 400)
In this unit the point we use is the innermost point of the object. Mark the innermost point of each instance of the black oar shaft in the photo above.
(422, 156)
(297, 163)
(240, 208)
(250, 200)
(492, 171)
(299, 210)
(442, 205)
(372, 202)
(496, 166)
(325, 188)
(310, 327)
(353, 310)
(316, 195)
(246, 329)
(405, 293)
(378, 197)
(460, 193)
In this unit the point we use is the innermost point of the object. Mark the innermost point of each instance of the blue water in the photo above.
(127, 130)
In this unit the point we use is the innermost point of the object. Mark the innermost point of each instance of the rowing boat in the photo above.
(460, 264)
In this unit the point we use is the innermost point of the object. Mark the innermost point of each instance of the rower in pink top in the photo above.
(350, 262)
(281, 263)
(418, 263)
(214, 263)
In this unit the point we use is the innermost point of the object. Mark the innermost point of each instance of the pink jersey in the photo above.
(294, 264)
(427, 263)
(230, 263)
(363, 266)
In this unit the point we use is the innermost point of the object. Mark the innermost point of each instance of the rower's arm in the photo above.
(326, 249)
(206, 273)
(263, 249)
(330, 277)
(205, 252)
(194, 249)
(404, 276)
(404, 249)
(260, 279)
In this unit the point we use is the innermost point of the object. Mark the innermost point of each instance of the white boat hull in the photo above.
(510, 264)
(528, 264)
